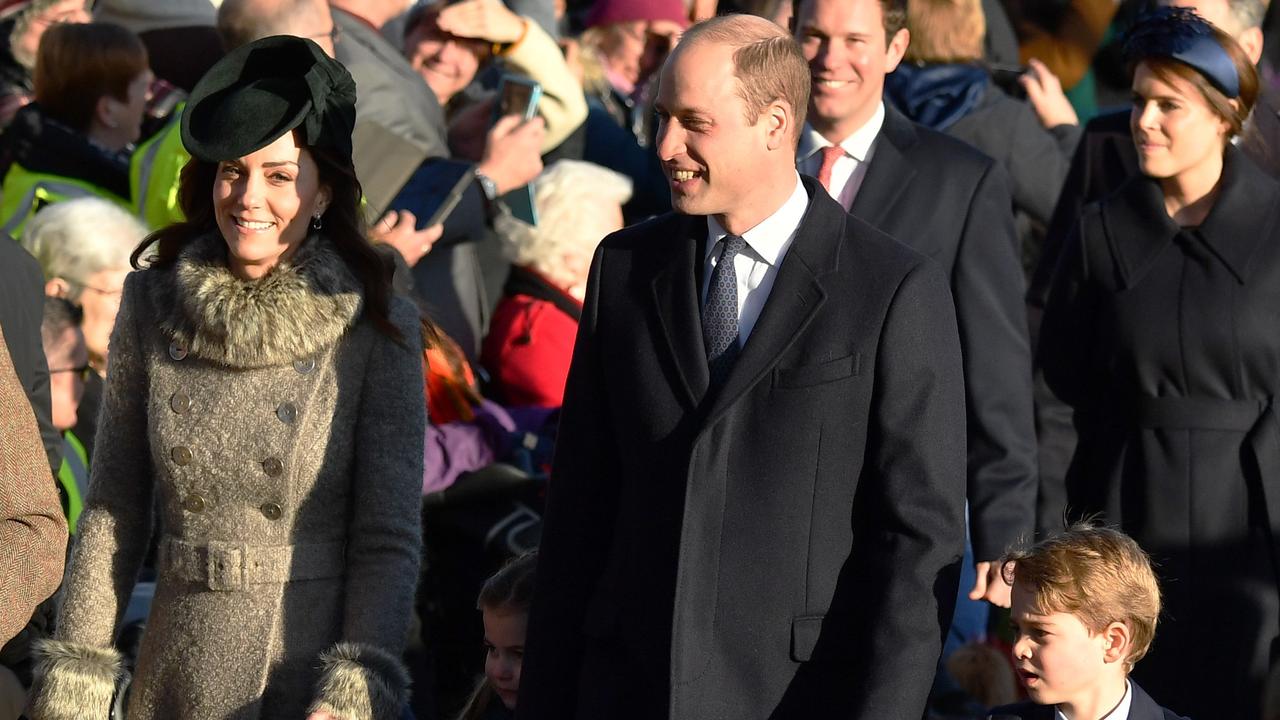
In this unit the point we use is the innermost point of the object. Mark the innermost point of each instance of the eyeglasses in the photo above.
(100, 291)
(81, 372)
(333, 34)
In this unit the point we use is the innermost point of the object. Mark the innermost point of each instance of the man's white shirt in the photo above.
(851, 168)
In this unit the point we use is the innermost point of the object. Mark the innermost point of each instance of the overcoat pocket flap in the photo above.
(805, 631)
(823, 372)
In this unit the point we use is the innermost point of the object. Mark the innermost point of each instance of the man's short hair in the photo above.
(945, 31)
(1097, 574)
(240, 22)
(58, 317)
(767, 62)
(894, 13)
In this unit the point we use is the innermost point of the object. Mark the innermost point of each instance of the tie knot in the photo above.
(733, 244)
(831, 153)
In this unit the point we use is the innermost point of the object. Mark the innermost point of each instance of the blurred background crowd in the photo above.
(92, 95)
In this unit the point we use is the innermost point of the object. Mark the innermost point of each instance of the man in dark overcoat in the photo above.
(757, 502)
(950, 202)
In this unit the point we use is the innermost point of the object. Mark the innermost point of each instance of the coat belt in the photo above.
(230, 566)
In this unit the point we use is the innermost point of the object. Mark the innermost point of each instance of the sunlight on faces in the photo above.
(66, 388)
(1058, 659)
(1175, 131)
(100, 301)
(264, 203)
(447, 63)
(132, 109)
(716, 163)
(504, 634)
(844, 42)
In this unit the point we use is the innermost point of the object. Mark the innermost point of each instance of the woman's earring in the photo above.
(315, 222)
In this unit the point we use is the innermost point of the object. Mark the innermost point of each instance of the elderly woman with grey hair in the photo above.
(530, 341)
(83, 247)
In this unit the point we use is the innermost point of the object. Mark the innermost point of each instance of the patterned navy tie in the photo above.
(720, 314)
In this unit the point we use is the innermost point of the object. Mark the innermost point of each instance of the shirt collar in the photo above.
(1120, 713)
(770, 237)
(857, 145)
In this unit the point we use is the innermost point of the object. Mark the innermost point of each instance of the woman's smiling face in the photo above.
(264, 203)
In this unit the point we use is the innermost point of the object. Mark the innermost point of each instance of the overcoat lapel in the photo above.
(795, 298)
(677, 305)
(1138, 228)
(890, 172)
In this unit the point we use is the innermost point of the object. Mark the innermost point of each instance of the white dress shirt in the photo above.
(1120, 713)
(756, 266)
(851, 168)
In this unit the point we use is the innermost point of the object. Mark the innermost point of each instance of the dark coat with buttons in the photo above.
(279, 436)
(1163, 341)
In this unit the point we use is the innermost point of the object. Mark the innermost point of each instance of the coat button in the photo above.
(287, 412)
(181, 455)
(176, 351)
(180, 402)
(271, 511)
(194, 503)
(304, 366)
(272, 467)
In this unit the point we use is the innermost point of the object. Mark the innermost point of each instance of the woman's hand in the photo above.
(482, 20)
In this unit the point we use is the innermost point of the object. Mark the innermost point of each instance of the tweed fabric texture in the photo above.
(720, 314)
(33, 531)
(308, 439)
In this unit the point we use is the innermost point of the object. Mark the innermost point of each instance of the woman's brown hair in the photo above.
(79, 63)
(343, 223)
(1234, 111)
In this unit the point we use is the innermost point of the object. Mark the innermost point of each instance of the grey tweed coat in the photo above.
(279, 436)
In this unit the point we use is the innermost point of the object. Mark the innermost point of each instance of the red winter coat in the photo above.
(530, 341)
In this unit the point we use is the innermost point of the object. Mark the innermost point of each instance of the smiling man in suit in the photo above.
(756, 506)
(950, 202)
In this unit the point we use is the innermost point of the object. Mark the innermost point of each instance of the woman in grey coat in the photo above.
(265, 396)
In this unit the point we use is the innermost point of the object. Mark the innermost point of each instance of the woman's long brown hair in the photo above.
(343, 223)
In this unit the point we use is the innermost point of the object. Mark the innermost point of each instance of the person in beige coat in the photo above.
(265, 396)
(33, 531)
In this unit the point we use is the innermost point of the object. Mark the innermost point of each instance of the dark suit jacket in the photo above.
(1142, 707)
(784, 549)
(948, 201)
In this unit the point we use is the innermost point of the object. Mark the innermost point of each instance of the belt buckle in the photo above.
(224, 566)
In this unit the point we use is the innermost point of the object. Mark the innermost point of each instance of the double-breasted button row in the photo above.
(287, 412)
(177, 351)
(304, 366)
(273, 467)
(180, 402)
(181, 455)
(195, 503)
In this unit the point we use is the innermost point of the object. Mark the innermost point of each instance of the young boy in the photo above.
(1085, 605)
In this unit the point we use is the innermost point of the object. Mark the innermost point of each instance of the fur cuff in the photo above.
(361, 682)
(73, 681)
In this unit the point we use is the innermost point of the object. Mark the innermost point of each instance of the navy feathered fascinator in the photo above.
(1182, 35)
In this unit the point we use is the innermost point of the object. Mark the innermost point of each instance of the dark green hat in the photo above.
(261, 91)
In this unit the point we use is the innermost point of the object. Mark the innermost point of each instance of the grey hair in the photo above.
(1248, 13)
(77, 238)
(561, 188)
(240, 22)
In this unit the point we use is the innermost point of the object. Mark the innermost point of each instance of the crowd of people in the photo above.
(752, 358)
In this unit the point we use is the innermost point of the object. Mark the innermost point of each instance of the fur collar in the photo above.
(299, 308)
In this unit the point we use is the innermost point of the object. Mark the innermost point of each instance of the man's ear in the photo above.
(896, 49)
(1251, 41)
(781, 125)
(1116, 642)
(57, 287)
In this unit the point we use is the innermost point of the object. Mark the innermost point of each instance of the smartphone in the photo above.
(1006, 77)
(518, 95)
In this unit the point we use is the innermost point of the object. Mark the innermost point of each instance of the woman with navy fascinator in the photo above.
(265, 398)
(1163, 334)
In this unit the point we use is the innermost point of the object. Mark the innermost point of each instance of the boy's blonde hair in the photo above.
(945, 31)
(1098, 574)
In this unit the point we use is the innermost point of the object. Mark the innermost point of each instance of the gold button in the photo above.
(272, 467)
(304, 366)
(287, 412)
(180, 402)
(194, 503)
(181, 455)
(271, 511)
(176, 351)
